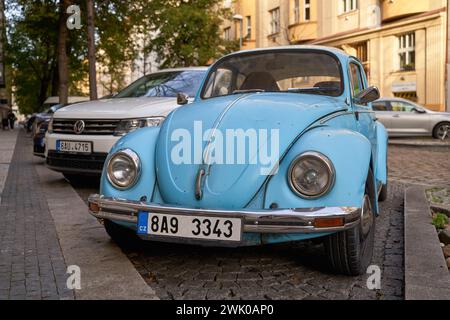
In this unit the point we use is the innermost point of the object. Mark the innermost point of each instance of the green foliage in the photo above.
(440, 220)
(32, 52)
(187, 33)
(180, 32)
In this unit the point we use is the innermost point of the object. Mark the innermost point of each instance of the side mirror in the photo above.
(182, 98)
(368, 95)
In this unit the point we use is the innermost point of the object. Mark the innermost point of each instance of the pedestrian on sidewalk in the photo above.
(11, 119)
(4, 116)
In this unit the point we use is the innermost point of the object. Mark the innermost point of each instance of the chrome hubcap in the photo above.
(366, 216)
(443, 132)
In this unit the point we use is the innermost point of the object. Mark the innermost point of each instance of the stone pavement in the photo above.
(427, 166)
(7, 144)
(32, 265)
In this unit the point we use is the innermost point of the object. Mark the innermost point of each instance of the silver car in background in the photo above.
(403, 118)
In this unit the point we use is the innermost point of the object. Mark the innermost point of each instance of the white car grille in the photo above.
(90, 127)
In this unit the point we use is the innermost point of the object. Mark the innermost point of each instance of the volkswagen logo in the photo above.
(78, 127)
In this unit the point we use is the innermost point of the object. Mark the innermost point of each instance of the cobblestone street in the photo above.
(296, 270)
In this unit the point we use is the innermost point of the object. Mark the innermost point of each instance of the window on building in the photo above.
(407, 52)
(296, 11)
(249, 27)
(227, 33)
(307, 8)
(348, 5)
(362, 55)
(274, 20)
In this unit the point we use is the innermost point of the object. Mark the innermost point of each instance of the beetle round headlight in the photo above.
(123, 169)
(311, 175)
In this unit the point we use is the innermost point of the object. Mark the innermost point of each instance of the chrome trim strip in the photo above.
(260, 221)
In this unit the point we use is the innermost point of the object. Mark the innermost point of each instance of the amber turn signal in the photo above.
(328, 222)
(94, 207)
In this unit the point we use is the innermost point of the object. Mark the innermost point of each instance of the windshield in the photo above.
(164, 84)
(306, 71)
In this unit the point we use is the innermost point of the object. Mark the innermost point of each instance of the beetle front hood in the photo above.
(213, 128)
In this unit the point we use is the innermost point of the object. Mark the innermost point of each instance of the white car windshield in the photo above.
(164, 84)
(306, 71)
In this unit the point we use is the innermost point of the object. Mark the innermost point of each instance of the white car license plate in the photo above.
(74, 146)
(186, 226)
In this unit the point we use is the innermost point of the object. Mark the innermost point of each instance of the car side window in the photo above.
(219, 83)
(356, 79)
(379, 106)
(399, 106)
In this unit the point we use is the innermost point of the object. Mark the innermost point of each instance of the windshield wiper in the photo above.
(312, 89)
(248, 91)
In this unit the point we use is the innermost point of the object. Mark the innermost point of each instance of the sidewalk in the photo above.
(7, 144)
(45, 227)
(32, 265)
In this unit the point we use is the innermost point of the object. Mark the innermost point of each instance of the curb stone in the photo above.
(426, 273)
(419, 143)
(106, 273)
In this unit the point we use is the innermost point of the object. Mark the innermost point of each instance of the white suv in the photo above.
(80, 137)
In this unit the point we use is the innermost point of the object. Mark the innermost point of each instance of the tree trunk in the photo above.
(91, 50)
(63, 63)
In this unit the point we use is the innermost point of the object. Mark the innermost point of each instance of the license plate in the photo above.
(186, 226)
(74, 146)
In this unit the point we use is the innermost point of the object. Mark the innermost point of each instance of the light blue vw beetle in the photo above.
(280, 144)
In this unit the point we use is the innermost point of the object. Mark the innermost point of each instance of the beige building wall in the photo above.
(370, 30)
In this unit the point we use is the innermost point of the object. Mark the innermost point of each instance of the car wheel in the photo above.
(350, 252)
(442, 130)
(383, 193)
(81, 180)
(119, 234)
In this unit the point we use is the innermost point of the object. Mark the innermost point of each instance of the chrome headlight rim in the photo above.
(328, 165)
(135, 160)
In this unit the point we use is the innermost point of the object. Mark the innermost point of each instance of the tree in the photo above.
(91, 50)
(187, 33)
(63, 64)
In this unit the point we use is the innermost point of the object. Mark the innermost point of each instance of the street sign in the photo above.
(404, 87)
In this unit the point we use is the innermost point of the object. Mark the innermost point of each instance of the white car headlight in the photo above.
(128, 125)
(311, 175)
(123, 169)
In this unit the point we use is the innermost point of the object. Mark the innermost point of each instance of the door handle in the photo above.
(396, 116)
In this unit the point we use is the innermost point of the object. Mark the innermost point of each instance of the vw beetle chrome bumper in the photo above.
(305, 220)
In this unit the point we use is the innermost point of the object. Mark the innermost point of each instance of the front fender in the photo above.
(143, 142)
(350, 154)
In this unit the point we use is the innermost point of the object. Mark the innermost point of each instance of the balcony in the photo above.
(302, 31)
(395, 9)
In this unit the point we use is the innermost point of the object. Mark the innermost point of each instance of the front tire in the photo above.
(442, 131)
(350, 252)
(119, 234)
(383, 193)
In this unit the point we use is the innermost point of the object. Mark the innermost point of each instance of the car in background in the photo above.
(79, 137)
(33, 120)
(326, 179)
(402, 118)
(39, 129)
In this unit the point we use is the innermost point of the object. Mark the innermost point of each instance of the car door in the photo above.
(405, 120)
(382, 112)
(365, 116)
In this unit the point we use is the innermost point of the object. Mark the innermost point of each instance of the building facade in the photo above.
(402, 43)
